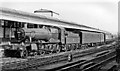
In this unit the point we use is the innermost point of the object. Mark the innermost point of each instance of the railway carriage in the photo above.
(108, 37)
(92, 38)
(39, 35)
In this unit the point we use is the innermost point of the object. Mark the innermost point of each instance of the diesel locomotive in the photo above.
(37, 35)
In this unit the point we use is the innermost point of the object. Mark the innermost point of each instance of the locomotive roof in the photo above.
(20, 16)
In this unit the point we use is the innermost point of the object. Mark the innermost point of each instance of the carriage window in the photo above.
(21, 24)
(40, 26)
(35, 25)
(31, 25)
(6, 24)
(11, 24)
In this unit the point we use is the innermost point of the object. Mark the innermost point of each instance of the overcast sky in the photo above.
(102, 14)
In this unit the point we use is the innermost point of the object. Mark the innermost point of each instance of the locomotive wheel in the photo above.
(35, 53)
(42, 47)
(51, 49)
(69, 47)
(58, 49)
(77, 46)
(66, 48)
(42, 52)
(23, 54)
(72, 47)
(50, 52)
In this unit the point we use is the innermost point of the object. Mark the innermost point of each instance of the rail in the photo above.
(93, 67)
(80, 63)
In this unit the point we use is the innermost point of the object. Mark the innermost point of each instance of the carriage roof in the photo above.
(20, 16)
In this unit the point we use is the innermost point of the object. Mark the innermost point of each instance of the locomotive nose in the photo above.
(20, 34)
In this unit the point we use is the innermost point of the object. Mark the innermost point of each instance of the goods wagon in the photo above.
(92, 37)
(108, 37)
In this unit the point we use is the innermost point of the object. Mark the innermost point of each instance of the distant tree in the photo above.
(118, 50)
(118, 36)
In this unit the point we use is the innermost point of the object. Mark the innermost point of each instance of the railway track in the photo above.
(41, 62)
(64, 61)
(37, 62)
(96, 67)
(82, 63)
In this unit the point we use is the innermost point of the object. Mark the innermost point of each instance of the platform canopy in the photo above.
(20, 16)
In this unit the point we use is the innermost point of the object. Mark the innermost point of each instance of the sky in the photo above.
(100, 14)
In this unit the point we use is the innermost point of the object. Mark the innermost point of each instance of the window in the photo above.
(12, 24)
(40, 26)
(35, 26)
(31, 25)
(21, 24)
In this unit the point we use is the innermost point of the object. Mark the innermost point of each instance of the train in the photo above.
(31, 34)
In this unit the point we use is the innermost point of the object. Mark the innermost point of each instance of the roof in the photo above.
(16, 15)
